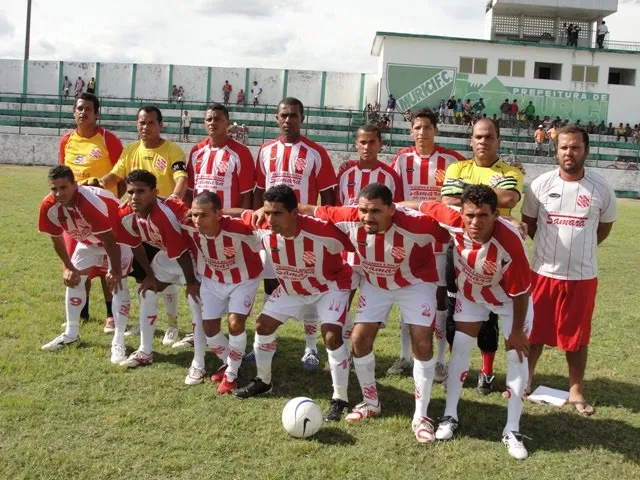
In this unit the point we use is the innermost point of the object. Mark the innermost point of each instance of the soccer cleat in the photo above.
(186, 342)
(250, 357)
(400, 367)
(59, 342)
(336, 411)
(515, 446)
(219, 375)
(441, 372)
(362, 411)
(255, 388)
(226, 386)
(118, 354)
(109, 325)
(310, 361)
(171, 336)
(446, 427)
(195, 376)
(423, 429)
(134, 331)
(137, 359)
(485, 383)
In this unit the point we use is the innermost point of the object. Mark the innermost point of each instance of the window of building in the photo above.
(547, 71)
(584, 73)
(511, 68)
(622, 76)
(473, 65)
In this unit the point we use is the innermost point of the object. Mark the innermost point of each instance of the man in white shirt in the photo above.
(602, 32)
(569, 212)
(186, 125)
(256, 90)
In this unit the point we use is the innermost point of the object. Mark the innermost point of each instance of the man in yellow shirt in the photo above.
(485, 168)
(539, 137)
(166, 161)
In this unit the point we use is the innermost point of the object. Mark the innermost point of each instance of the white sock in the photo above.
(423, 372)
(148, 316)
(405, 340)
(517, 377)
(339, 363)
(237, 346)
(170, 297)
(441, 335)
(366, 373)
(311, 334)
(219, 345)
(458, 369)
(121, 306)
(199, 338)
(75, 298)
(264, 347)
(347, 330)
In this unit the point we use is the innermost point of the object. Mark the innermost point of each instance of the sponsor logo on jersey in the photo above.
(160, 163)
(583, 201)
(554, 195)
(566, 220)
(81, 160)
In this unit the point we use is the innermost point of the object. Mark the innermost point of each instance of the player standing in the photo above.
(569, 211)
(303, 165)
(89, 216)
(422, 171)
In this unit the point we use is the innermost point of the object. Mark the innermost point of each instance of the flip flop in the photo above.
(583, 407)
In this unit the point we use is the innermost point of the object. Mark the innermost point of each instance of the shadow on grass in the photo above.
(334, 436)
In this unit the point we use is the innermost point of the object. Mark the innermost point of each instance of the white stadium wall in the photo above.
(193, 80)
(152, 82)
(271, 82)
(305, 85)
(236, 77)
(341, 89)
(11, 76)
(73, 70)
(115, 80)
(43, 78)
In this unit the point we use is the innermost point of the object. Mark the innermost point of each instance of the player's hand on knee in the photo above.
(71, 277)
(113, 278)
(193, 291)
(148, 284)
(519, 342)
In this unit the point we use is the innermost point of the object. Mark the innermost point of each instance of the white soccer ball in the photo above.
(301, 417)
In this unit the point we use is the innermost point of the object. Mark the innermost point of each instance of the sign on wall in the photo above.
(416, 87)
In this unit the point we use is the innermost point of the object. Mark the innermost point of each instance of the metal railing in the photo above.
(587, 38)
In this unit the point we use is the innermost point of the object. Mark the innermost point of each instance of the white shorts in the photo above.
(268, 272)
(220, 298)
(441, 268)
(168, 270)
(85, 257)
(468, 311)
(417, 304)
(329, 307)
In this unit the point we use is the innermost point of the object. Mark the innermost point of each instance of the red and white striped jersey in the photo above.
(232, 256)
(352, 178)
(160, 229)
(488, 273)
(568, 214)
(400, 256)
(94, 212)
(423, 177)
(311, 262)
(304, 166)
(228, 171)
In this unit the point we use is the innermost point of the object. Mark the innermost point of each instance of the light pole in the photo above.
(25, 61)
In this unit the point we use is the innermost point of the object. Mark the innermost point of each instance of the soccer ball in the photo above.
(301, 417)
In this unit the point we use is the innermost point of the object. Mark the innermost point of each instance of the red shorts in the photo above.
(563, 310)
(70, 243)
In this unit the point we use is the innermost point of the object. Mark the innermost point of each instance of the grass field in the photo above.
(71, 414)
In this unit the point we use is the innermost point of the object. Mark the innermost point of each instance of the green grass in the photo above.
(71, 414)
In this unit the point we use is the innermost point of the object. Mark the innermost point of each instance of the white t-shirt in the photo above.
(186, 121)
(603, 30)
(568, 214)
(256, 90)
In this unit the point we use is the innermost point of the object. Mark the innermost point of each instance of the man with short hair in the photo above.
(552, 133)
(602, 32)
(539, 138)
(530, 112)
(66, 87)
(513, 112)
(459, 111)
(478, 108)
(79, 86)
(89, 216)
(256, 90)
(391, 105)
(422, 170)
(91, 87)
(485, 168)
(569, 211)
(451, 107)
(305, 166)
(226, 91)
(185, 123)
(504, 111)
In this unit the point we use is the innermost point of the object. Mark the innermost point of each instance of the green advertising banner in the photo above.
(416, 87)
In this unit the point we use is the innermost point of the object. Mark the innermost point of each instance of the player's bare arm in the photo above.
(604, 229)
(258, 194)
(111, 180)
(234, 212)
(506, 198)
(258, 217)
(246, 200)
(532, 226)
(518, 339)
(70, 274)
(114, 275)
(181, 187)
(193, 286)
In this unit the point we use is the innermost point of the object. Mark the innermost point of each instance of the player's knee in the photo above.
(236, 324)
(266, 325)
(332, 336)
(423, 349)
(211, 327)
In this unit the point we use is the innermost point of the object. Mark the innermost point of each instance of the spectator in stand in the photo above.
(621, 131)
(478, 108)
(610, 129)
(66, 87)
(186, 126)
(256, 90)
(591, 127)
(91, 88)
(602, 32)
(442, 109)
(504, 111)
(539, 137)
(240, 99)
(636, 134)
(226, 91)
(79, 86)
(530, 112)
(578, 123)
(513, 112)
(602, 128)
(451, 109)
(174, 94)
(552, 133)
(385, 122)
(569, 31)
(391, 105)
(459, 111)
(180, 94)
(407, 115)
(546, 123)
(628, 130)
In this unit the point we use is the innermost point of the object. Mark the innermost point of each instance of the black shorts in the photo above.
(136, 270)
(186, 130)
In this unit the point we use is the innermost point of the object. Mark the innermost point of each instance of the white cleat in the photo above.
(446, 427)
(515, 446)
(185, 343)
(137, 359)
(59, 342)
(423, 429)
(362, 411)
(118, 354)
(171, 336)
(441, 372)
(195, 376)
(400, 367)
(134, 331)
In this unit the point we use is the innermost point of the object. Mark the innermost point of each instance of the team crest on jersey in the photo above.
(248, 301)
(223, 168)
(398, 253)
(160, 163)
(439, 175)
(489, 268)
(301, 164)
(229, 252)
(309, 259)
(95, 153)
(496, 179)
(583, 201)
(362, 301)
(81, 160)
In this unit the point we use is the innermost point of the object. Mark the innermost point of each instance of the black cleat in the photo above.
(485, 383)
(254, 388)
(336, 411)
